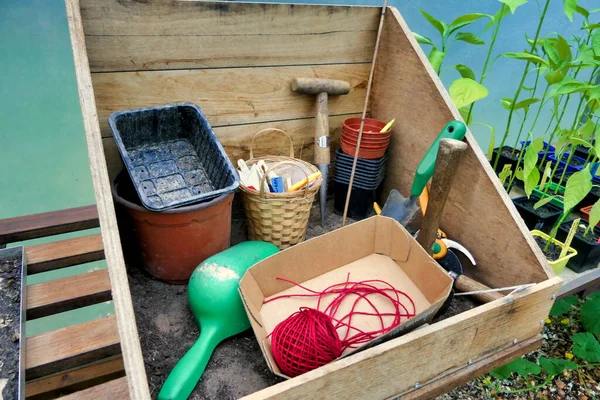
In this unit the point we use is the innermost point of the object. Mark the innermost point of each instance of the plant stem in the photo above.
(512, 177)
(487, 60)
(552, 235)
(529, 389)
(537, 78)
(516, 97)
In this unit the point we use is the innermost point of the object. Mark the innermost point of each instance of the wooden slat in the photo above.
(46, 224)
(64, 253)
(76, 377)
(448, 382)
(127, 329)
(479, 212)
(394, 367)
(236, 140)
(65, 294)
(115, 389)
(127, 36)
(577, 282)
(72, 346)
(228, 96)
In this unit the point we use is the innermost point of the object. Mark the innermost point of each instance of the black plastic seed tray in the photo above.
(342, 171)
(343, 157)
(172, 155)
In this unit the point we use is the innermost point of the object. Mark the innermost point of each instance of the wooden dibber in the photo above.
(322, 88)
(448, 160)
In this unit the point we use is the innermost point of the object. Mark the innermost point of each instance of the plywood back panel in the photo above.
(153, 35)
(478, 213)
(234, 60)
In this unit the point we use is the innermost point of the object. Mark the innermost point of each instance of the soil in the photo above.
(595, 190)
(553, 252)
(508, 152)
(592, 237)
(237, 367)
(10, 311)
(544, 211)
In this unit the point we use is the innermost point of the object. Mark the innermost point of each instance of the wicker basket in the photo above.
(279, 218)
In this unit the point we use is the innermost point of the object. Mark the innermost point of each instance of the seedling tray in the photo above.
(563, 162)
(588, 254)
(173, 156)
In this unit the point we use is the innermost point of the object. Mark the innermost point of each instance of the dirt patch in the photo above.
(237, 367)
(544, 211)
(592, 236)
(553, 252)
(10, 311)
(510, 153)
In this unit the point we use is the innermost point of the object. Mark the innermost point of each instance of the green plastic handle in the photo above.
(187, 372)
(453, 130)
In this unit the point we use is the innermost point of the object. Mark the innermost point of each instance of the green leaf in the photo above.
(585, 13)
(464, 113)
(590, 316)
(562, 48)
(596, 43)
(587, 130)
(591, 27)
(521, 366)
(578, 186)
(543, 202)
(578, 141)
(465, 20)
(465, 91)
(513, 4)
(531, 181)
(569, 7)
(594, 218)
(469, 38)
(507, 103)
(505, 173)
(527, 57)
(436, 58)
(569, 85)
(553, 77)
(499, 16)
(586, 347)
(422, 39)
(524, 104)
(551, 51)
(556, 366)
(465, 71)
(439, 25)
(597, 294)
(563, 305)
(594, 93)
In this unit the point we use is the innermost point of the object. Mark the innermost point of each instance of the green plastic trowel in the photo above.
(217, 309)
(404, 210)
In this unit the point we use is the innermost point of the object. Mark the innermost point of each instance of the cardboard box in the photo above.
(375, 248)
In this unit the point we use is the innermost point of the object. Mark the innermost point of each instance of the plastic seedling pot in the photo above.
(505, 158)
(581, 151)
(343, 157)
(575, 165)
(588, 248)
(559, 264)
(539, 192)
(361, 200)
(551, 150)
(545, 215)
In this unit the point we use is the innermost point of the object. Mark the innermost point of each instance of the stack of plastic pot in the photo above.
(373, 143)
(367, 178)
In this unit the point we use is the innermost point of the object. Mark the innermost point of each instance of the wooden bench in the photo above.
(82, 360)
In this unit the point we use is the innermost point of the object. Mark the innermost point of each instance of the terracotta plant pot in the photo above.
(557, 265)
(172, 243)
(352, 125)
(367, 139)
(365, 145)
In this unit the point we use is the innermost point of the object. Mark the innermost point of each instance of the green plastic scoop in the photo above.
(404, 210)
(217, 309)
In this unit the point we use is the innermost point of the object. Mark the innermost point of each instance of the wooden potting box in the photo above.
(236, 61)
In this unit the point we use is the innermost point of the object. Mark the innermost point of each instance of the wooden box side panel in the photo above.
(393, 367)
(235, 60)
(128, 336)
(479, 213)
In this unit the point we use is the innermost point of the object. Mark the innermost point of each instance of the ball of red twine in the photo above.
(304, 341)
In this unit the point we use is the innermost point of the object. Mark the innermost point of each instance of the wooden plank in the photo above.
(48, 223)
(228, 96)
(394, 367)
(457, 378)
(479, 212)
(115, 389)
(236, 140)
(577, 282)
(64, 253)
(130, 343)
(131, 35)
(79, 376)
(69, 347)
(66, 294)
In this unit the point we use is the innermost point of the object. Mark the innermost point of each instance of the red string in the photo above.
(310, 338)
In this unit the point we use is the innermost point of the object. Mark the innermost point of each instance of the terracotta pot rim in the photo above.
(124, 202)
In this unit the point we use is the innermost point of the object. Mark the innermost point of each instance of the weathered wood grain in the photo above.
(228, 96)
(127, 329)
(49, 256)
(68, 347)
(66, 294)
(479, 213)
(115, 389)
